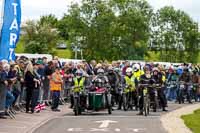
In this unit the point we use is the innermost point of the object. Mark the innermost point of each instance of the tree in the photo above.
(50, 20)
(39, 38)
(174, 34)
(133, 25)
(112, 29)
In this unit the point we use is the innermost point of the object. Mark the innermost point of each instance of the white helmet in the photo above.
(79, 72)
(100, 70)
(155, 69)
(110, 68)
(136, 67)
(129, 70)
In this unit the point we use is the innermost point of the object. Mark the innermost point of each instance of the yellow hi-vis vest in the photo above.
(163, 78)
(138, 74)
(78, 85)
(130, 82)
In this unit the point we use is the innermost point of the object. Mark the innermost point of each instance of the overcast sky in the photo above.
(33, 9)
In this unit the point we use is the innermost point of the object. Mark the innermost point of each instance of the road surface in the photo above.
(101, 122)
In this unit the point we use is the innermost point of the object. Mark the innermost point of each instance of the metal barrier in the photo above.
(44, 97)
(2, 97)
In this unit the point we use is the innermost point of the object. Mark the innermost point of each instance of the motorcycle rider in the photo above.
(172, 86)
(186, 78)
(146, 78)
(157, 79)
(195, 80)
(78, 82)
(137, 73)
(113, 81)
(102, 76)
(129, 81)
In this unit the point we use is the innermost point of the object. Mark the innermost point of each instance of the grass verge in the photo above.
(192, 121)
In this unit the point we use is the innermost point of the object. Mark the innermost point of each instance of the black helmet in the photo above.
(98, 82)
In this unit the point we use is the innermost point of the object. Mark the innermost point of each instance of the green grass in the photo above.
(192, 121)
(63, 53)
(20, 47)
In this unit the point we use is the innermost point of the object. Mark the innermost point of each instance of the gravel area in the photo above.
(172, 121)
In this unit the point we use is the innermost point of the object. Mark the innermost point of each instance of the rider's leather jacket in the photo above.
(185, 77)
(113, 79)
(145, 80)
(103, 77)
(157, 79)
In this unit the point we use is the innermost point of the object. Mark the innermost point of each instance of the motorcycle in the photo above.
(180, 92)
(146, 98)
(127, 98)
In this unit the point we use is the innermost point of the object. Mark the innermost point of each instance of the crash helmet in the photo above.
(155, 69)
(98, 82)
(136, 67)
(147, 68)
(79, 73)
(129, 71)
(100, 71)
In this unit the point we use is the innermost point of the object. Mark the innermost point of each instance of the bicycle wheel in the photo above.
(148, 104)
(76, 107)
(130, 101)
(125, 102)
(145, 106)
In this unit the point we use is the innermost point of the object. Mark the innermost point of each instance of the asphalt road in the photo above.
(101, 122)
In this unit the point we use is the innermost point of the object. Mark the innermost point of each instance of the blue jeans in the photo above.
(3, 92)
(9, 99)
(172, 93)
(55, 99)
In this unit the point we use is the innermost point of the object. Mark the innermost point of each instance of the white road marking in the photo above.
(91, 116)
(99, 130)
(105, 123)
(117, 130)
(136, 130)
(75, 130)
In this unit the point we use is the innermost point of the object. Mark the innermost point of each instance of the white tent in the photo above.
(49, 57)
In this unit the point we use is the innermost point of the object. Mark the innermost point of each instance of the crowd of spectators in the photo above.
(33, 81)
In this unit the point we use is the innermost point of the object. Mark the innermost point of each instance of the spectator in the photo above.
(32, 82)
(21, 69)
(13, 77)
(3, 84)
(48, 70)
(127, 65)
(56, 86)
(68, 79)
(91, 67)
(40, 72)
(10, 98)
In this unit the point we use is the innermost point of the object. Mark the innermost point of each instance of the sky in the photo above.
(33, 9)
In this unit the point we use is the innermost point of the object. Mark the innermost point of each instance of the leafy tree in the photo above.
(133, 25)
(50, 20)
(39, 38)
(174, 34)
(113, 29)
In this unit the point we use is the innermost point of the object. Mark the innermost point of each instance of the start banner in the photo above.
(11, 29)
